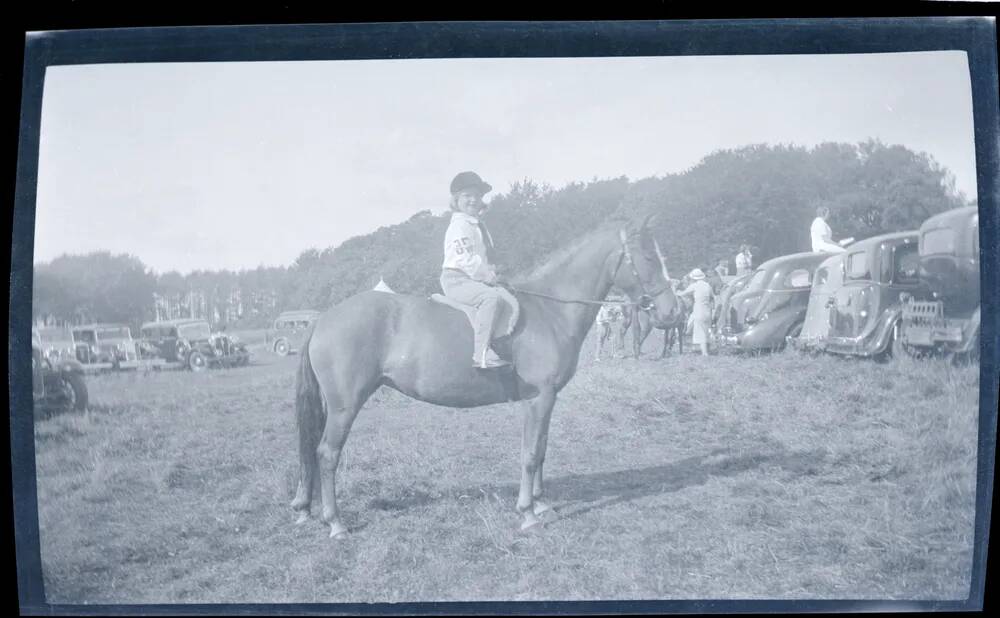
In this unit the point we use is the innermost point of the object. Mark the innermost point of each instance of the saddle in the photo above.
(508, 377)
(503, 310)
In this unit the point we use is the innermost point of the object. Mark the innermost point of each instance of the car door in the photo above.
(852, 302)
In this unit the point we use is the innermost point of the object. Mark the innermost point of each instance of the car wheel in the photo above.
(281, 347)
(792, 333)
(196, 361)
(75, 390)
(897, 348)
(965, 358)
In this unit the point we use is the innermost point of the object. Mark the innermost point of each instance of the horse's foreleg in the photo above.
(536, 485)
(533, 441)
(338, 424)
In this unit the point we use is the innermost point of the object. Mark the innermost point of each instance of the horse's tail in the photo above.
(308, 415)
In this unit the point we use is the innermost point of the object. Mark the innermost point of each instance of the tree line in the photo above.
(761, 195)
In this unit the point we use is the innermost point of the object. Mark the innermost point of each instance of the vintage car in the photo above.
(56, 385)
(943, 314)
(190, 343)
(865, 308)
(108, 346)
(772, 306)
(289, 331)
(56, 342)
(816, 326)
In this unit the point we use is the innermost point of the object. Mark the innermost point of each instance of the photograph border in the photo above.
(509, 39)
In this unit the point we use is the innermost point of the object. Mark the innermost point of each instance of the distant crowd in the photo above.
(703, 292)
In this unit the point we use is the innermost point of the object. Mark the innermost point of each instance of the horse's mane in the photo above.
(556, 258)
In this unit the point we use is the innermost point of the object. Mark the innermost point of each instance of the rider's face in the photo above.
(469, 201)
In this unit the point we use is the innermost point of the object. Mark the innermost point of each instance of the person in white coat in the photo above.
(821, 234)
(701, 314)
(467, 273)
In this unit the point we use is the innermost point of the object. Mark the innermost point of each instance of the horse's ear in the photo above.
(642, 225)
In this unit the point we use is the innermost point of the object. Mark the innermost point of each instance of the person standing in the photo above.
(467, 273)
(744, 260)
(722, 268)
(701, 313)
(821, 235)
(608, 317)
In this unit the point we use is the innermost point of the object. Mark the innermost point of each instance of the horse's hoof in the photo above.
(541, 507)
(303, 518)
(531, 525)
(338, 531)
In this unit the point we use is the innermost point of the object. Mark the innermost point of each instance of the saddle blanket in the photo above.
(506, 315)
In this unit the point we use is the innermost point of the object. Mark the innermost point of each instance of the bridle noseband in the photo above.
(645, 301)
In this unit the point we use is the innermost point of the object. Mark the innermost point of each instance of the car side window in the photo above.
(798, 278)
(821, 276)
(857, 266)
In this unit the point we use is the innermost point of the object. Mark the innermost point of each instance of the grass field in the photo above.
(783, 476)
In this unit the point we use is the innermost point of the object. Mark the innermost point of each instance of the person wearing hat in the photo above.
(701, 313)
(468, 274)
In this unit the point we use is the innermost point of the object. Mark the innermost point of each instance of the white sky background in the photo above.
(234, 165)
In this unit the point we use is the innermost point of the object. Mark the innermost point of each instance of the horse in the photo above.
(421, 347)
(645, 323)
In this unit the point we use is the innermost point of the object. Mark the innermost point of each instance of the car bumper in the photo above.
(808, 344)
(749, 340)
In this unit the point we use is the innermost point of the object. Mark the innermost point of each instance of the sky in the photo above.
(205, 166)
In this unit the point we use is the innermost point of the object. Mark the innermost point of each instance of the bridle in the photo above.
(645, 301)
(646, 297)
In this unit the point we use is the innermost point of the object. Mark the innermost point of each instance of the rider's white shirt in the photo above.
(465, 248)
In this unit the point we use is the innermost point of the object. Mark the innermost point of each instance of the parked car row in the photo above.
(184, 343)
(181, 343)
(912, 292)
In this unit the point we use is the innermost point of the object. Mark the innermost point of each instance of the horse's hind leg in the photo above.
(342, 409)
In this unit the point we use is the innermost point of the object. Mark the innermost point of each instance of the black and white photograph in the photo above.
(485, 328)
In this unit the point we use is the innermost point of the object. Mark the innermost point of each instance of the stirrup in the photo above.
(489, 362)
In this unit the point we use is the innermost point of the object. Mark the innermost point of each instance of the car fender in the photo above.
(973, 331)
(883, 330)
(771, 332)
(69, 365)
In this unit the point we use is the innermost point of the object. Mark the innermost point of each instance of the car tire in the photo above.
(196, 361)
(76, 391)
(794, 331)
(281, 347)
(965, 358)
(897, 348)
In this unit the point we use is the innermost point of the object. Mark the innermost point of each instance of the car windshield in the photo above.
(906, 262)
(197, 330)
(118, 332)
(938, 241)
(86, 336)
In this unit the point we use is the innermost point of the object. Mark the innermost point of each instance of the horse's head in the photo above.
(642, 274)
